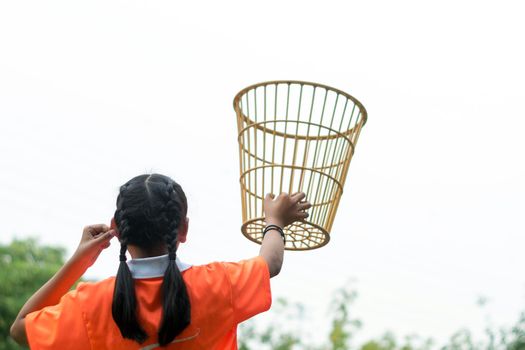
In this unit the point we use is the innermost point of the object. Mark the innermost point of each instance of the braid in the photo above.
(172, 251)
(124, 307)
(171, 224)
(176, 308)
(123, 248)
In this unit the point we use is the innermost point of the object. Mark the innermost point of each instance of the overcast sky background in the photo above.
(94, 93)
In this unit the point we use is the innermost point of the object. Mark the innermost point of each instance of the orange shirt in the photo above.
(222, 295)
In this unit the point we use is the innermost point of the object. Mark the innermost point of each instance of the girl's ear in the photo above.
(183, 232)
(113, 226)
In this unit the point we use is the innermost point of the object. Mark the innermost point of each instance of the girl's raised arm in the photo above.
(282, 210)
(94, 239)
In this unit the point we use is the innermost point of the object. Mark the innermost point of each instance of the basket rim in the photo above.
(364, 113)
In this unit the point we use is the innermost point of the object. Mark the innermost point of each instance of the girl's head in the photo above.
(151, 211)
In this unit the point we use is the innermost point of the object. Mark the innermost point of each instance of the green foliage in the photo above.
(389, 342)
(25, 266)
(517, 334)
(280, 334)
(344, 327)
(285, 331)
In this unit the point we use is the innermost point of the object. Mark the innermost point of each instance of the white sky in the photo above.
(94, 93)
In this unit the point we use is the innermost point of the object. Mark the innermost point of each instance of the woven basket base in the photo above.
(301, 235)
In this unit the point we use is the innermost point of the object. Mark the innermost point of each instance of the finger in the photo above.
(304, 205)
(105, 237)
(303, 215)
(299, 196)
(269, 196)
(96, 229)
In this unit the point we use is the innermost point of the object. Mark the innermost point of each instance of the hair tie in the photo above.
(172, 255)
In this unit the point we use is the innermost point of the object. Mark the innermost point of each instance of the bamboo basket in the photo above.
(295, 136)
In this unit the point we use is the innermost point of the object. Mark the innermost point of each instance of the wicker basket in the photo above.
(295, 136)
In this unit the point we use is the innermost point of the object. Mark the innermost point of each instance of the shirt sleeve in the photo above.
(250, 285)
(59, 326)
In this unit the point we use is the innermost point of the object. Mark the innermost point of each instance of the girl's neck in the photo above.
(138, 252)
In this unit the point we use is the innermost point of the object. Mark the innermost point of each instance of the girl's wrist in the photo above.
(274, 221)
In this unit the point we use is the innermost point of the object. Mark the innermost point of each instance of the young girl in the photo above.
(155, 300)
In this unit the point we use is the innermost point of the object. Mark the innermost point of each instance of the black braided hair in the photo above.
(150, 211)
(176, 304)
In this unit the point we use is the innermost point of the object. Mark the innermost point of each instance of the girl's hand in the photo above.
(285, 209)
(95, 238)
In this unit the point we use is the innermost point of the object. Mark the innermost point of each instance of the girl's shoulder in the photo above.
(221, 273)
(89, 292)
(225, 267)
(101, 284)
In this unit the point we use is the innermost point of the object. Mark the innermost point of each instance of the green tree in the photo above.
(280, 334)
(517, 334)
(343, 327)
(389, 342)
(25, 265)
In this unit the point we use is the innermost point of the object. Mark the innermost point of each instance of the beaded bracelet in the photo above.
(274, 227)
